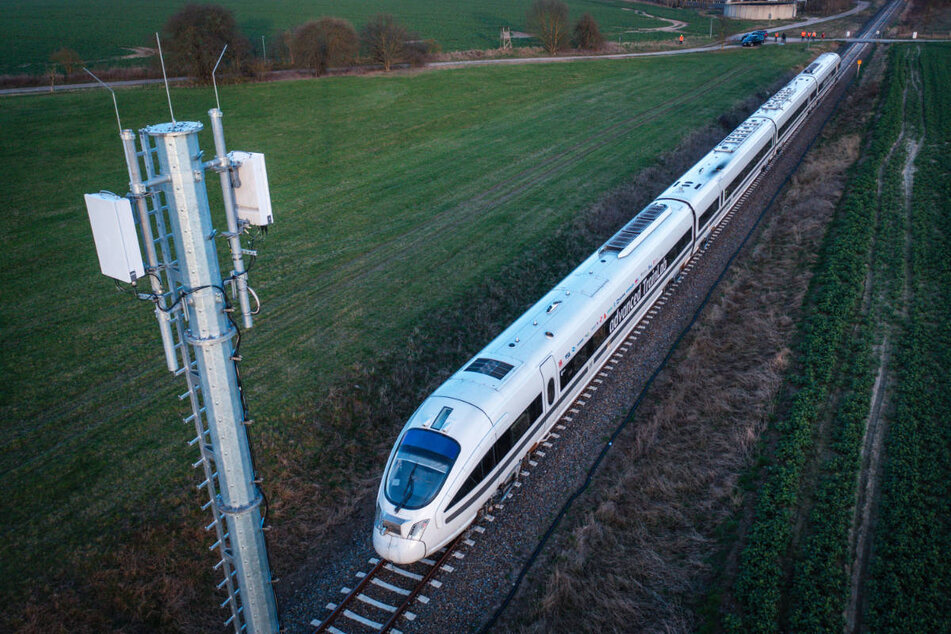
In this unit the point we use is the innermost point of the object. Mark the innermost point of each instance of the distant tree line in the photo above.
(194, 37)
(691, 4)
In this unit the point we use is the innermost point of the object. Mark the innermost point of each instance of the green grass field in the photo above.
(101, 30)
(392, 194)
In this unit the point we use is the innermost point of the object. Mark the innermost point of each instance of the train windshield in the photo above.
(420, 468)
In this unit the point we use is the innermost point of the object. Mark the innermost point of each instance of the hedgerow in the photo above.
(833, 298)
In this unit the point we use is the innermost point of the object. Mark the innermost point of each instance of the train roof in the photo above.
(693, 187)
(551, 325)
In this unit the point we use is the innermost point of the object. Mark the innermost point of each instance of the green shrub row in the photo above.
(821, 583)
(820, 588)
(833, 297)
(911, 566)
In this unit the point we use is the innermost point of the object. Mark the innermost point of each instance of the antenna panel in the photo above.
(252, 195)
(113, 229)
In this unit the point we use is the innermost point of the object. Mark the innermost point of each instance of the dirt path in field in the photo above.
(138, 52)
(866, 509)
(673, 25)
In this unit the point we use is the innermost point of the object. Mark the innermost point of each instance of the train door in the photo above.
(549, 372)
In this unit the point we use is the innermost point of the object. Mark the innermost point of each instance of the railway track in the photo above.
(384, 594)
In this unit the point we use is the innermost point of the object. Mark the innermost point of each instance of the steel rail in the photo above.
(350, 598)
(422, 583)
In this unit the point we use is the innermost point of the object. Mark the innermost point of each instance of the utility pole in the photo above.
(193, 305)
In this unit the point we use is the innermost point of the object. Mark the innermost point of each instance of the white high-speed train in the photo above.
(468, 438)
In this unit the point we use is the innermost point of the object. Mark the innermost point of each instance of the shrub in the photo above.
(194, 37)
(67, 58)
(385, 39)
(326, 42)
(418, 52)
(587, 34)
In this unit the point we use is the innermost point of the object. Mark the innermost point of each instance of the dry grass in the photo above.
(641, 557)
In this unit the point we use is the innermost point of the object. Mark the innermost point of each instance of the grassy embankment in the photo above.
(390, 194)
(795, 572)
(100, 29)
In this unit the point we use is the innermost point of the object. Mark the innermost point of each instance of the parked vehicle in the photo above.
(755, 38)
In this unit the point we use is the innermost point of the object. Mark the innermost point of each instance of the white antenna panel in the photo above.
(252, 197)
(113, 229)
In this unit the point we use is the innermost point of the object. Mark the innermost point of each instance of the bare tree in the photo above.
(549, 20)
(287, 44)
(385, 38)
(325, 42)
(67, 58)
(193, 39)
(587, 34)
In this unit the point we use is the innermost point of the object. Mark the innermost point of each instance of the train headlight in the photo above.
(417, 531)
(378, 520)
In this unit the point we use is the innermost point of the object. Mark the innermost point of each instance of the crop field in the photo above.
(911, 565)
(874, 334)
(102, 30)
(394, 197)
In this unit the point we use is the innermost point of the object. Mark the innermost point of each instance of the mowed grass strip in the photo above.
(392, 196)
(100, 30)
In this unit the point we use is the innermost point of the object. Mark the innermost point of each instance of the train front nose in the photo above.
(398, 549)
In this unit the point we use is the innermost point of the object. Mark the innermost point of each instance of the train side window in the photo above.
(473, 480)
(503, 445)
(496, 454)
(678, 248)
(551, 392)
(523, 423)
(707, 214)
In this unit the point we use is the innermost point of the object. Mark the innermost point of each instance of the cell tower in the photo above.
(195, 313)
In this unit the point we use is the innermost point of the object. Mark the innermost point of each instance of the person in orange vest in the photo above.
(681, 38)
(802, 36)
